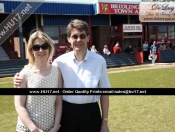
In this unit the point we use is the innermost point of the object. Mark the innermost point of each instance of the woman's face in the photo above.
(40, 50)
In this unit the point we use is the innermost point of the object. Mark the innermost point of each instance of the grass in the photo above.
(142, 114)
(8, 116)
(126, 113)
(6, 82)
(155, 78)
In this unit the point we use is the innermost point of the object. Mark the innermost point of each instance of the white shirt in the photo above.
(90, 73)
(106, 51)
(94, 50)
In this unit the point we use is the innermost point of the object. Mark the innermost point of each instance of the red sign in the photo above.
(114, 8)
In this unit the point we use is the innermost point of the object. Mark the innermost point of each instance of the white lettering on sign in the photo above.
(123, 6)
(122, 11)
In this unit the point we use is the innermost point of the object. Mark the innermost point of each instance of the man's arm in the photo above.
(104, 80)
(104, 99)
(17, 80)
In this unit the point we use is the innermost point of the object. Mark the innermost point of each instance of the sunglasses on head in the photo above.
(82, 36)
(36, 47)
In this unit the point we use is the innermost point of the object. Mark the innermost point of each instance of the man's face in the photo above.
(154, 42)
(78, 40)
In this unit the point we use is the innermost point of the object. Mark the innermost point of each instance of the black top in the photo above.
(128, 50)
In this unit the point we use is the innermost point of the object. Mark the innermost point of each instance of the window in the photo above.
(171, 32)
(152, 32)
(53, 33)
(162, 33)
(64, 35)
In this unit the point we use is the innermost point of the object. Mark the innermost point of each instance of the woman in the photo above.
(39, 113)
(106, 50)
(93, 49)
(145, 50)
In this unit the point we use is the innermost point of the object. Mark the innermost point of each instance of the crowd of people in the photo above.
(149, 49)
(129, 49)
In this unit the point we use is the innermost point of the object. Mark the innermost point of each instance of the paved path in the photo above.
(141, 67)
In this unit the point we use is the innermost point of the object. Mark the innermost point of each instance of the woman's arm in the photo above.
(60, 79)
(58, 105)
(20, 106)
(58, 113)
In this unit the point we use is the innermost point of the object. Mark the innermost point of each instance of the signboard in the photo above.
(1, 7)
(114, 8)
(157, 11)
(132, 27)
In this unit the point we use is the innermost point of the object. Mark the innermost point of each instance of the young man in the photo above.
(81, 113)
(153, 50)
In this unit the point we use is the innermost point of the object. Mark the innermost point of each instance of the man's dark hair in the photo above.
(77, 24)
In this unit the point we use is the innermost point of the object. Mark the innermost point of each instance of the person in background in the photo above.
(153, 50)
(129, 49)
(160, 47)
(106, 50)
(116, 48)
(68, 49)
(145, 50)
(171, 45)
(167, 47)
(39, 113)
(81, 113)
(93, 49)
(164, 46)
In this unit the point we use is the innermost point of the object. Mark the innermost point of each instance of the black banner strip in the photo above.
(87, 91)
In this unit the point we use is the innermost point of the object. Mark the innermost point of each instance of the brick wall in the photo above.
(104, 34)
(17, 46)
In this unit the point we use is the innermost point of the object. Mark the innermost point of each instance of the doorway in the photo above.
(135, 42)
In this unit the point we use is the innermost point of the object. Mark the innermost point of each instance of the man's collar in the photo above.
(87, 54)
(85, 58)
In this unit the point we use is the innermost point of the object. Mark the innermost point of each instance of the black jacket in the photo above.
(128, 50)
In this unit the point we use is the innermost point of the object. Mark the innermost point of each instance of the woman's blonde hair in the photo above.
(46, 39)
(105, 46)
(93, 46)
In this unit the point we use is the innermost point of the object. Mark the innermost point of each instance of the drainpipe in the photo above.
(21, 40)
